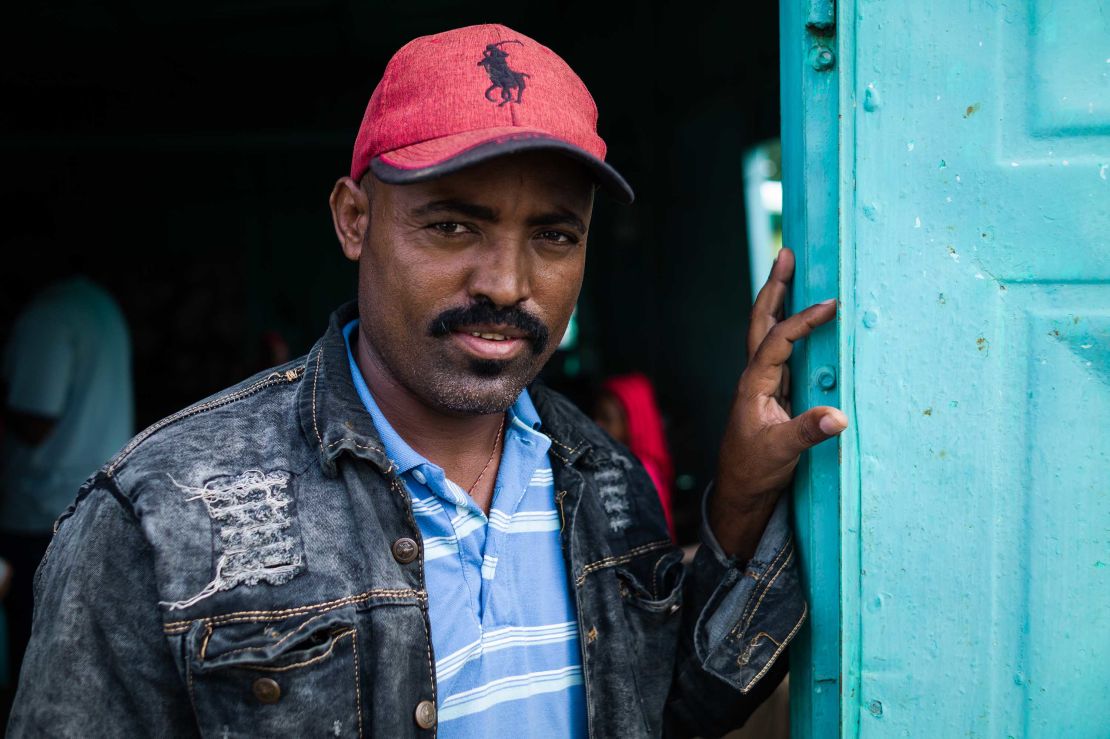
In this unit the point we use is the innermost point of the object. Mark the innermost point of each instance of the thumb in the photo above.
(811, 428)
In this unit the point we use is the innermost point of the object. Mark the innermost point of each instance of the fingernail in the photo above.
(830, 424)
(830, 301)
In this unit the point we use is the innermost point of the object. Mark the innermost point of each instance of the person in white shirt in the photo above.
(67, 406)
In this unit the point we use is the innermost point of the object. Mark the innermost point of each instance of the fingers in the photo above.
(767, 309)
(809, 429)
(765, 370)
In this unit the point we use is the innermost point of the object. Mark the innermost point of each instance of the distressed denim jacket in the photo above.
(250, 566)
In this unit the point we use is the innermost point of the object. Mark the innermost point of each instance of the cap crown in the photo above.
(473, 79)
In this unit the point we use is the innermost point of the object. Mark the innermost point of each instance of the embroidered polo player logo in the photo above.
(495, 60)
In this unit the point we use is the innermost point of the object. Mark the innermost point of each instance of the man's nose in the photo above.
(502, 273)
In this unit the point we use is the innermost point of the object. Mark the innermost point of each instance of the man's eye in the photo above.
(558, 237)
(450, 228)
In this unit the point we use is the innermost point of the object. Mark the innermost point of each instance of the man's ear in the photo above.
(350, 213)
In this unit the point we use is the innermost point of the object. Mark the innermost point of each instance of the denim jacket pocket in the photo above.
(652, 595)
(297, 677)
(657, 590)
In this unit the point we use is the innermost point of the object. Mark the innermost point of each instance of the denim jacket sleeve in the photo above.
(737, 624)
(97, 663)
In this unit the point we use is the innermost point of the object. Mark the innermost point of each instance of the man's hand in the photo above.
(762, 443)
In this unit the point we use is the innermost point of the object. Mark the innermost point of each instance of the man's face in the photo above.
(467, 282)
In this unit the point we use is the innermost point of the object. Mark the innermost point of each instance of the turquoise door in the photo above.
(947, 175)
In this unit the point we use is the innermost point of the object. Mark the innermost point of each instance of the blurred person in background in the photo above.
(67, 407)
(627, 410)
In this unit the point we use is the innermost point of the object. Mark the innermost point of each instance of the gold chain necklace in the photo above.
(493, 453)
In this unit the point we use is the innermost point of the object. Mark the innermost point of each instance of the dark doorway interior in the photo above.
(183, 153)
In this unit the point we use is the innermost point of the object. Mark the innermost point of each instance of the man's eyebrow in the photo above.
(472, 210)
(560, 217)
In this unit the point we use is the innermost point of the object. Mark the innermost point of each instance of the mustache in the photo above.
(456, 318)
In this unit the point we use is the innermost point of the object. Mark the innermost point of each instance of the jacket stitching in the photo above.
(654, 578)
(620, 559)
(763, 634)
(775, 656)
(279, 641)
(189, 682)
(569, 450)
(315, 377)
(560, 456)
(354, 443)
(767, 589)
(749, 611)
(431, 667)
(746, 621)
(315, 423)
(395, 485)
(564, 446)
(775, 561)
(312, 660)
(358, 680)
(177, 627)
(204, 641)
(273, 378)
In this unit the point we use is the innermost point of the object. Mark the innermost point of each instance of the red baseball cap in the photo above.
(461, 97)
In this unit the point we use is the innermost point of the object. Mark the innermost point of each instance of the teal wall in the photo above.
(972, 150)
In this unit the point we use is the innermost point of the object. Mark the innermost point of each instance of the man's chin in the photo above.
(488, 386)
(489, 368)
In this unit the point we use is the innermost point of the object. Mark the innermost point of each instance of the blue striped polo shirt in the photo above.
(504, 628)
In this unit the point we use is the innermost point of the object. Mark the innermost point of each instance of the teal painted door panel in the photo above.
(972, 545)
(810, 104)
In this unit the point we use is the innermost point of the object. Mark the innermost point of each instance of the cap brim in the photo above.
(431, 159)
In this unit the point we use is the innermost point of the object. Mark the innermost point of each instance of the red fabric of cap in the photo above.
(456, 98)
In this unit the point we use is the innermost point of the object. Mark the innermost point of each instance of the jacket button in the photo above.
(266, 690)
(425, 714)
(404, 550)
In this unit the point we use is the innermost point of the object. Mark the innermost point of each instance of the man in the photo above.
(398, 535)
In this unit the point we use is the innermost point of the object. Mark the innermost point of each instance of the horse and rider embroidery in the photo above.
(495, 60)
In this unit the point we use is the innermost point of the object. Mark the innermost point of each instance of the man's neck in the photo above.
(460, 444)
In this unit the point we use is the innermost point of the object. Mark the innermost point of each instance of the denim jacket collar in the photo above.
(331, 413)
(567, 441)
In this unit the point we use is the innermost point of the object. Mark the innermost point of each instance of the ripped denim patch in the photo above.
(255, 538)
(612, 488)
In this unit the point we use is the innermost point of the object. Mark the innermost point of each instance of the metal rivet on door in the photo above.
(825, 377)
(822, 58)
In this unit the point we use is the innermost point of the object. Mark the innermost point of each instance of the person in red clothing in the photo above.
(628, 411)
